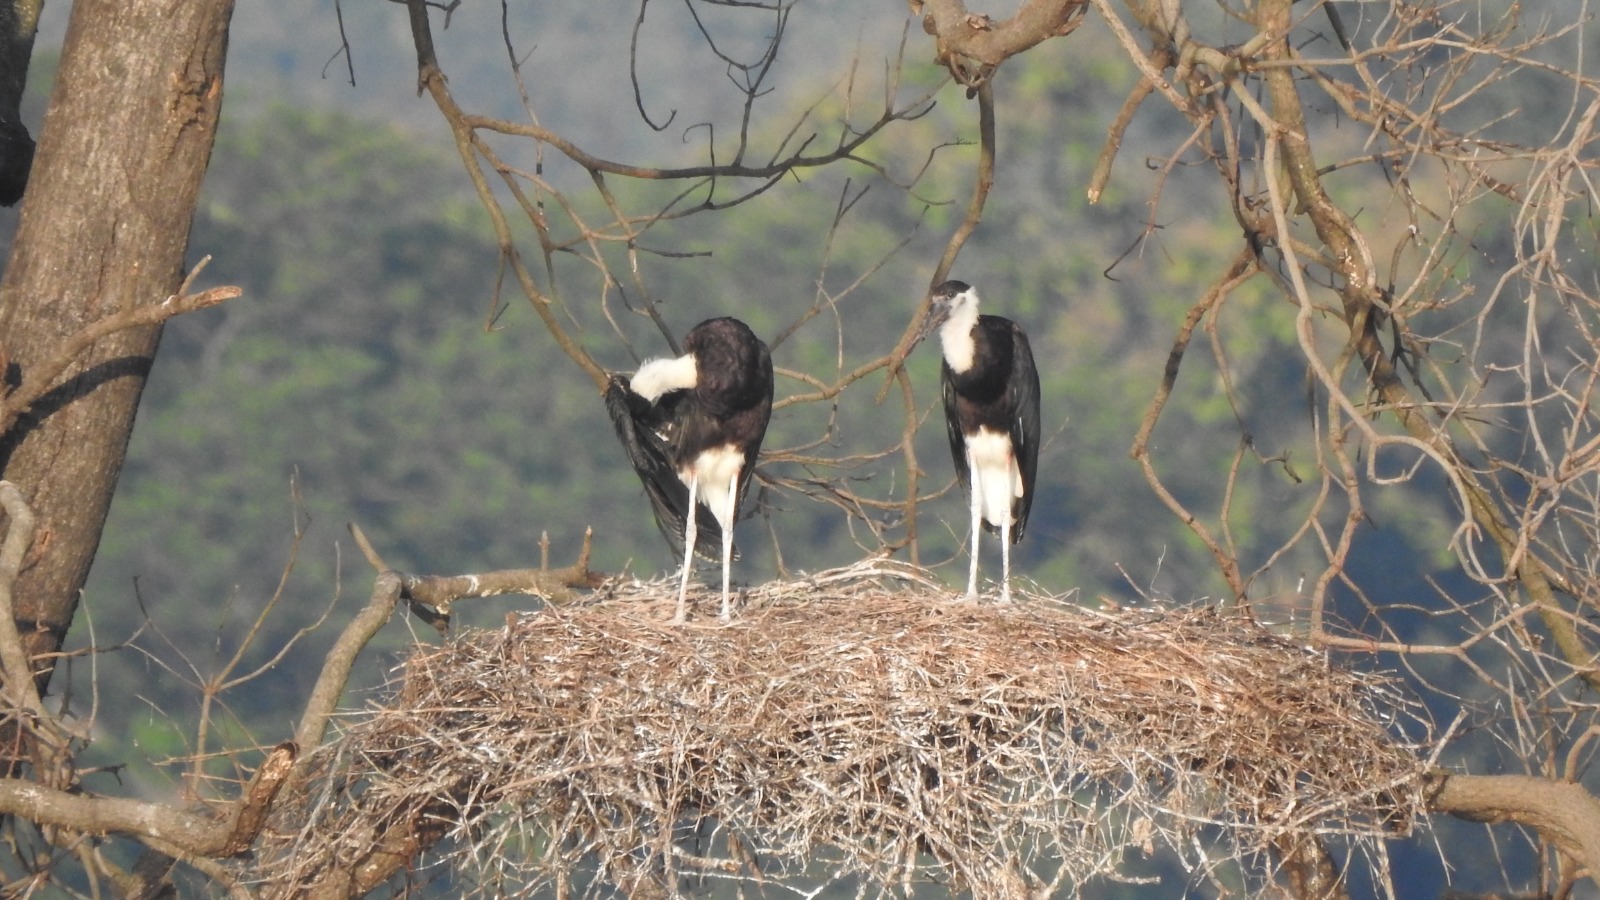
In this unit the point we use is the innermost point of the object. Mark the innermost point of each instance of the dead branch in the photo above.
(250, 812)
(558, 586)
(423, 592)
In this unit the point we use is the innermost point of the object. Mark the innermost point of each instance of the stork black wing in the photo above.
(1022, 394)
(648, 432)
(1000, 393)
(760, 415)
(952, 426)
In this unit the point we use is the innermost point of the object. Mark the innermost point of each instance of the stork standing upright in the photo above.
(692, 427)
(991, 409)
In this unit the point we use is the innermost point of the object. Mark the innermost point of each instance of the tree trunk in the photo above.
(104, 226)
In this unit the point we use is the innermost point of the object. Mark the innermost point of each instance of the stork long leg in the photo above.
(975, 481)
(727, 542)
(691, 533)
(1005, 564)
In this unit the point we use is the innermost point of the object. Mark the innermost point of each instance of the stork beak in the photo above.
(938, 312)
(934, 315)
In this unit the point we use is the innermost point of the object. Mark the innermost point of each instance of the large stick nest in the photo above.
(857, 725)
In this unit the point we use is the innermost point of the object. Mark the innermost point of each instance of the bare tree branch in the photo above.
(43, 377)
(1561, 811)
(972, 45)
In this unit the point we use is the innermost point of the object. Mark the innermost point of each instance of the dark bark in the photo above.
(19, 22)
(122, 152)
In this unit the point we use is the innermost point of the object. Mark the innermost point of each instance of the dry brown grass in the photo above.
(859, 725)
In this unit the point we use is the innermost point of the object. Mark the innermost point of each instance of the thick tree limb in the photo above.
(335, 674)
(36, 803)
(972, 45)
(1563, 812)
(186, 832)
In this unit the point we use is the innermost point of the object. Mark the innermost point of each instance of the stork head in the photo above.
(951, 300)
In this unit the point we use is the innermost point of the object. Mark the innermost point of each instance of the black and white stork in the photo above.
(991, 409)
(692, 427)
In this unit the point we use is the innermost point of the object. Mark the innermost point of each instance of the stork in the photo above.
(692, 426)
(991, 409)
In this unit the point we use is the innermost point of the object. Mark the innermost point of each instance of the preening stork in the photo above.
(692, 427)
(991, 409)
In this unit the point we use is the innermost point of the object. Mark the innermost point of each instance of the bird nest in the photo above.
(860, 726)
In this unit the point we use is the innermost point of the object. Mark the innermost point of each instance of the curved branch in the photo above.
(1241, 269)
(980, 195)
(1561, 811)
(14, 661)
(972, 45)
(431, 79)
(633, 74)
(335, 673)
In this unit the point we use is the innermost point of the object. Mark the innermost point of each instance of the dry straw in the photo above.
(859, 726)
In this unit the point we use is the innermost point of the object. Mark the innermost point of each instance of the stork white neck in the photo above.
(659, 376)
(956, 334)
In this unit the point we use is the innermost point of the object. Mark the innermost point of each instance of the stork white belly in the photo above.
(996, 480)
(716, 469)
